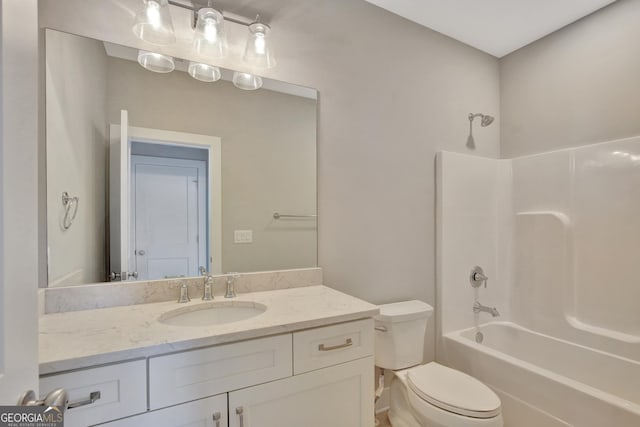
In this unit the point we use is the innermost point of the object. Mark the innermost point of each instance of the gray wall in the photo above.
(268, 156)
(76, 157)
(577, 86)
(392, 93)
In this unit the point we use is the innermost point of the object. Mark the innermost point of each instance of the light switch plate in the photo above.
(243, 236)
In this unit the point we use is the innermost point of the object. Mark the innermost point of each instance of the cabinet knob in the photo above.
(216, 418)
(240, 412)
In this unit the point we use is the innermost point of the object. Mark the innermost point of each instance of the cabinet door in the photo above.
(339, 396)
(209, 412)
(118, 391)
(190, 375)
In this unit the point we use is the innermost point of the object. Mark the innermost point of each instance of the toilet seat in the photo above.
(453, 391)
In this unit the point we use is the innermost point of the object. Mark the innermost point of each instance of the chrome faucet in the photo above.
(207, 294)
(184, 294)
(477, 277)
(231, 285)
(477, 308)
(208, 291)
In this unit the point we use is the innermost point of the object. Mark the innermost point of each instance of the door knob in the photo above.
(58, 397)
(141, 252)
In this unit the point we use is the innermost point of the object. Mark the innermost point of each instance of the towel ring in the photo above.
(69, 203)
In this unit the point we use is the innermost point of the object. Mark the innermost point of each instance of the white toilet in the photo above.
(427, 395)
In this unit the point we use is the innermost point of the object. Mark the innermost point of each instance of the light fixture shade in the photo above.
(259, 49)
(246, 81)
(153, 23)
(210, 38)
(156, 62)
(204, 72)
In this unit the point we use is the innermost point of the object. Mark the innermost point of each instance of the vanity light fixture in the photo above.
(156, 62)
(153, 23)
(259, 51)
(209, 38)
(204, 72)
(246, 81)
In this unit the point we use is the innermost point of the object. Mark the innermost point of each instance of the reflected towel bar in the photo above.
(283, 216)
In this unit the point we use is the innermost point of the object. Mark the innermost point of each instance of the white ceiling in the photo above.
(497, 27)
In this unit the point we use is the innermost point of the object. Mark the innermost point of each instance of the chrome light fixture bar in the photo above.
(210, 35)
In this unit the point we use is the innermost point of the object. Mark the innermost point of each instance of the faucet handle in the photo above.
(207, 294)
(477, 277)
(231, 285)
(184, 293)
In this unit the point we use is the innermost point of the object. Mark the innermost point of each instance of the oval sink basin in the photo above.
(213, 313)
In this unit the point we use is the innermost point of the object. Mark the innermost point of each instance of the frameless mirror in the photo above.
(157, 175)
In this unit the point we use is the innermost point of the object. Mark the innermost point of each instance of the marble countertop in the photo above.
(80, 339)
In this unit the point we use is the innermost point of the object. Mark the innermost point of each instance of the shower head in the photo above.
(486, 119)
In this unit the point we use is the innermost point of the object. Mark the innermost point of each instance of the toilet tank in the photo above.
(399, 337)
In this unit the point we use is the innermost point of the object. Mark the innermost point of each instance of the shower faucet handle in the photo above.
(477, 277)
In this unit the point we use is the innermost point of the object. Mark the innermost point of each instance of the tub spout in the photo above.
(477, 308)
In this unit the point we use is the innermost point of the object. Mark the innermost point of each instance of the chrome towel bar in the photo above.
(284, 216)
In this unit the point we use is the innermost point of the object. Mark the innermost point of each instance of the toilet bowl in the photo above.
(427, 395)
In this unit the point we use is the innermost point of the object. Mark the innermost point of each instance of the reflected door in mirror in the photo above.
(168, 214)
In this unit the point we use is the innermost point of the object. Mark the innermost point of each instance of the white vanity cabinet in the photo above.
(103, 393)
(209, 412)
(311, 378)
(194, 374)
(339, 396)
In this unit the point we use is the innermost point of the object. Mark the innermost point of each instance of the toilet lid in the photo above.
(453, 391)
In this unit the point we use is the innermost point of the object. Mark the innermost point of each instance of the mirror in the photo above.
(153, 176)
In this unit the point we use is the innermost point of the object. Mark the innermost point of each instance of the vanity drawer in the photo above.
(122, 388)
(209, 412)
(195, 374)
(331, 345)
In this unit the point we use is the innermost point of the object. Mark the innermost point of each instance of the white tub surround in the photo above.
(548, 381)
(77, 339)
(102, 295)
(556, 233)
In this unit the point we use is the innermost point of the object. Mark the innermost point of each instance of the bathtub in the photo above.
(547, 382)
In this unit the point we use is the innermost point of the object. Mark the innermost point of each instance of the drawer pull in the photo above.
(93, 396)
(240, 412)
(216, 418)
(347, 343)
